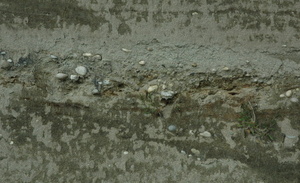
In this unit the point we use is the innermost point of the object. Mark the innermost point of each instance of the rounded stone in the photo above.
(205, 134)
(61, 76)
(225, 69)
(95, 91)
(53, 57)
(294, 100)
(195, 151)
(87, 54)
(142, 62)
(152, 88)
(81, 70)
(74, 77)
(288, 93)
(172, 128)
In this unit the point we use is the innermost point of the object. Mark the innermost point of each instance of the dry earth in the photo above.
(233, 68)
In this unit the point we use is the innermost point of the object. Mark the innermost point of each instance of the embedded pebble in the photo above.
(194, 13)
(152, 88)
(142, 62)
(195, 151)
(182, 152)
(105, 82)
(95, 91)
(5, 65)
(10, 60)
(281, 95)
(98, 57)
(126, 50)
(125, 152)
(225, 69)
(167, 94)
(53, 57)
(294, 99)
(172, 128)
(255, 80)
(205, 134)
(11, 142)
(2, 53)
(87, 54)
(288, 93)
(61, 76)
(150, 49)
(74, 77)
(81, 70)
(213, 70)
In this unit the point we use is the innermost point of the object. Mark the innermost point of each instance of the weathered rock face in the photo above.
(262, 25)
(170, 91)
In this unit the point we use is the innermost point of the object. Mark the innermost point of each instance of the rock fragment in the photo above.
(172, 128)
(206, 134)
(288, 93)
(87, 54)
(152, 88)
(74, 77)
(61, 76)
(167, 94)
(195, 151)
(142, 62)
(81, 70)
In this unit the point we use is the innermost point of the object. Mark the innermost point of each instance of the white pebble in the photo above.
(213, 70)
(9, 60)
(294, 99)
(87, 54)
(53, 57)
(125, 152)
(11, 142)
(152, 88)
(74, 77)
(61, 76)
(205, 134)
(172, 128)
(195, 151)
(98, 56)
(281, 95)
(288, 93)
(194, 13)
(126, 50)
(95, 91)
(167, 94)
(81, 70)
(105, 82)
(225, 69)
(2, 53)
(142, 62)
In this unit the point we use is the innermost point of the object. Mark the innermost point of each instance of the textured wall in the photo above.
(260, 24)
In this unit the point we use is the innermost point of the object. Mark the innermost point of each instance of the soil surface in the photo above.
(174, 91)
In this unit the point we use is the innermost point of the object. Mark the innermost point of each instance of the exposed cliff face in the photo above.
(215, 98)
